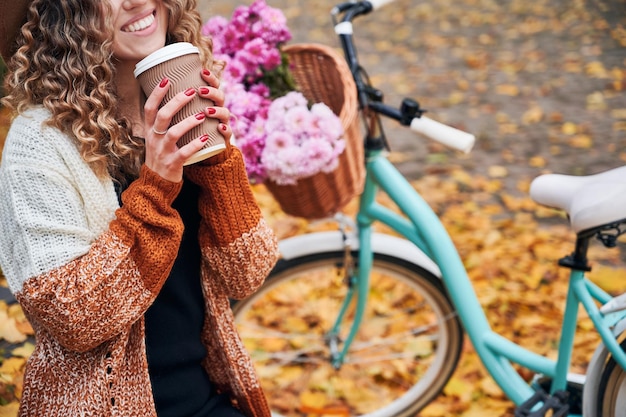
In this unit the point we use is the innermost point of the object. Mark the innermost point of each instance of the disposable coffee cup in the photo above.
(180, 63)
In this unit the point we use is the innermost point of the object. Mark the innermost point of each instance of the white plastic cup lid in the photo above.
(165, 54)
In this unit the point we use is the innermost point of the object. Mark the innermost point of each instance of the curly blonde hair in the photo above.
(64, 62)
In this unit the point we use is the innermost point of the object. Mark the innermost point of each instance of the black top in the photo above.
(180, 385)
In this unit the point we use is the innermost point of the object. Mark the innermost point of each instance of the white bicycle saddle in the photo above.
(589, 200)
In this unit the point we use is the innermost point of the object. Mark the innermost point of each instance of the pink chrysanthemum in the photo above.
(281, 138)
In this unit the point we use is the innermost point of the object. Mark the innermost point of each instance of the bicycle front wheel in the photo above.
(404, 353)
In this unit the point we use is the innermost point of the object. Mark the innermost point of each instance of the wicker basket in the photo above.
(323, 76)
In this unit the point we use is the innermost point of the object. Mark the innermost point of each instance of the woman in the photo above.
(123, 260)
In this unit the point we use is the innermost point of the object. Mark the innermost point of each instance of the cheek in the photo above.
(163, 15)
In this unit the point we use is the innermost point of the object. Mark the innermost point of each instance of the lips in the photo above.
(140, 24)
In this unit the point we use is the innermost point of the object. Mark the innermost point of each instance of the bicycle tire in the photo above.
(611, 401)
(284, 324)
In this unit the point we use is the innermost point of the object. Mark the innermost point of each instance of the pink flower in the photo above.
(214, 27)
(298, 120)
(324, 118)
(282, 104)
(260, 89)
(278, 140)
(235, 71)
(271, 59)
(298, 144)
(272, 25)
(280, 136)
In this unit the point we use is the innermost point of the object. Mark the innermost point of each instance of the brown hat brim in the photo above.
(12, 18)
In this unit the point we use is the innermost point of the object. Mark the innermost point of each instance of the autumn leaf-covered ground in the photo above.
(542, 86)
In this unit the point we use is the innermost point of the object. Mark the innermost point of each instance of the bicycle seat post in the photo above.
(578, 259)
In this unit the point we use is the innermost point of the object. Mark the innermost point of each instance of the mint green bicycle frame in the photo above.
(422, 227)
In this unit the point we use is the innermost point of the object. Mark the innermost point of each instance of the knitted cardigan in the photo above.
(85, 271)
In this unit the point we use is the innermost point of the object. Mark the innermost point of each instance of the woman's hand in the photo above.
(217, 111)
(163, 156)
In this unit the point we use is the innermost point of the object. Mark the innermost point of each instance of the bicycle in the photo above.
(408, 301)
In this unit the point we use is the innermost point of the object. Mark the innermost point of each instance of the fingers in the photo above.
(157, 118)
(160, 117)
(153, 102)
(163, 154)
(166, 113)
(179, 129)
(220, 113)
(223, 116)
(214, 94)
(210, 78)
(187, 151)
(227, 132)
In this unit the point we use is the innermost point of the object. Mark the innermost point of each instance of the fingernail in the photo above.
(163, 82)
(206, 72)
(190, 92)
(200, 116)
(224, 127)
(203, 90)
(211, 110)
(204, 138)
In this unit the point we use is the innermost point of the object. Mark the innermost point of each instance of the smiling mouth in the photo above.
(140, 24)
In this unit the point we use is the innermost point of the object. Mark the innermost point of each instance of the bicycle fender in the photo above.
(594, 373)
(331, 241)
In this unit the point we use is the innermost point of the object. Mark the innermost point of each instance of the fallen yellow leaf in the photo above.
(9, 410)
(11, 366)
(596, 69)
(497, 171)
(533, 115)
(595, 101)
(609, 279)
(9, 330)
(313, 400)
(507, 90)
(581, 141)
(24, 351)
(569, 128)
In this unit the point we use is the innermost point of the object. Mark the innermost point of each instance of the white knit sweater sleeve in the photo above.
(52, 205)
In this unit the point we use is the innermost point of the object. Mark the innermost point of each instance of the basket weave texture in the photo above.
(323, 76)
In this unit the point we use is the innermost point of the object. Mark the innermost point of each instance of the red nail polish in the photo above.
(190, 92)
(204, 138)
(163, 82)
(224, 127)
(200, 116)
(203, 90)
(206, 72)
(211, 110)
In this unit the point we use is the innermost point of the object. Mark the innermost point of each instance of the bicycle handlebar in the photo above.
(376, 4)
(354, 8)
(444, 134)
(439, 132)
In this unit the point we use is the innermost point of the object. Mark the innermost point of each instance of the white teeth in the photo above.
(140, 24)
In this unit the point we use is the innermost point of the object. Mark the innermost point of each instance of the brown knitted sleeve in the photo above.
(238, 247)
(151, 226)
(100, 294)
